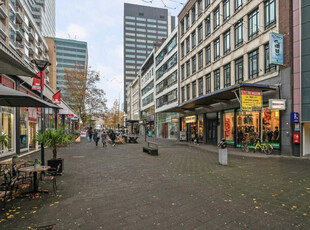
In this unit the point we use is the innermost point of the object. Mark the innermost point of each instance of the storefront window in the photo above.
(7, 128)
(167, 125)
(271, 127)
(247, 127)
(200, 127)
(228, 126)
(23, 129)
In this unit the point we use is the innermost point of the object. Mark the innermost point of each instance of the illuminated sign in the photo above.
(251, 100)
(277, 104)
(190, 119)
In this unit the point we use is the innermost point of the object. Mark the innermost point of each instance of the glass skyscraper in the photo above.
(69, 54)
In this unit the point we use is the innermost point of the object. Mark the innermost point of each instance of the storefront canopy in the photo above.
(11, 64)
(14, 98)
(224, 95)
(132, 121)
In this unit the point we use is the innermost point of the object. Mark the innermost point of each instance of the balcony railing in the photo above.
(3, 12)
(3, 29)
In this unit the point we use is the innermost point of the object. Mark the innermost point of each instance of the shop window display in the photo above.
(228, 126)
(200, 127)
(271, 127)
(247, 127)
(7, 128)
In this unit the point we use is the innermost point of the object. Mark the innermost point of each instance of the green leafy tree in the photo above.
(52, 138)
(82, 92)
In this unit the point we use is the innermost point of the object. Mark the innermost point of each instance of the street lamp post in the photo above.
(41, 65)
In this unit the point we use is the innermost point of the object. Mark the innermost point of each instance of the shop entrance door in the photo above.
(165, 130)
(212, 131)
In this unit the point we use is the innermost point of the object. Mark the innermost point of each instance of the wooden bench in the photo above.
(151, 148)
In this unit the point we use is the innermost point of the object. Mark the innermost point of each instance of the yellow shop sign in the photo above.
(190, 119)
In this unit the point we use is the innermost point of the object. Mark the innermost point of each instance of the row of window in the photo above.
(167, 82)
(270, 15)
(138, 46)
(167, 66)
(135, 56)
(134, 62)
(167, 98)
(147, 100)
(145, 25)
(238, 36)
(146, 36)
(190, 65)
(146, 19)
(166, 50)
(253, 69)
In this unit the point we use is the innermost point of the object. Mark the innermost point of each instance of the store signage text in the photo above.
(278, 104)
(276, 48)
(251, 100)
(190, 119)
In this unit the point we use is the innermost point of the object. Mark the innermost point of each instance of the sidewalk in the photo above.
(184, 188)
(231, 150)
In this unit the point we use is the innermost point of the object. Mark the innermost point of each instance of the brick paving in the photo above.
(182, 188)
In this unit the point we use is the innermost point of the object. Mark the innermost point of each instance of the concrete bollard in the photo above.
(223, 156)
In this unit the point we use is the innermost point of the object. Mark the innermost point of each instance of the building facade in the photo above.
(224, 53)
(43, 12)
(166, 87)
(144, 27)
(70, 54)
(147, 93)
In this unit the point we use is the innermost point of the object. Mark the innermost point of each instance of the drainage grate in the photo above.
(47, 227)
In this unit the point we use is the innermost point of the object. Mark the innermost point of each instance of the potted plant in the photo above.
(15, 158)
(4, 141)
(53, 139)
(37, 163)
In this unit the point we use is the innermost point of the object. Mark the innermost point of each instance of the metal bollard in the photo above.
(223, 152)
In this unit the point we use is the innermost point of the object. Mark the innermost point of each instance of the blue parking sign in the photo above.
(294, 117)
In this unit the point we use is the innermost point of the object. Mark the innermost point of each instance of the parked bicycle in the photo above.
(245, 143)
(266, 147)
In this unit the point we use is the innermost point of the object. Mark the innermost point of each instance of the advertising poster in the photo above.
(251, 100)
(276, 49)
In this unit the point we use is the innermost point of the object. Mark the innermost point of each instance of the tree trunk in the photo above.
(54, 153)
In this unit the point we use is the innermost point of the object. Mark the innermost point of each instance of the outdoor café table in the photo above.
(35, 175)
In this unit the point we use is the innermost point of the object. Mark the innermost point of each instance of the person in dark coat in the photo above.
(96, 137)
(90, 133)
(112, 137)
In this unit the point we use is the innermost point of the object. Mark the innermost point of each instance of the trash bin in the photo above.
(223, 152)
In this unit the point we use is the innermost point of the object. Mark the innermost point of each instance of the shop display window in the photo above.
(200, 127)
(229, 126)
(7, 128)
(23, 129)
(271, 127)
(247, 127)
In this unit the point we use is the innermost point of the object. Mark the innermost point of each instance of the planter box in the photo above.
(54, 164)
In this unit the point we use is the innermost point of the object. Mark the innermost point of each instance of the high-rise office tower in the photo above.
(43, 12)
(69, 55)
(144, 27)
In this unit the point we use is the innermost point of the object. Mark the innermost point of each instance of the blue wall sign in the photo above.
(276, 49)
(294, 117)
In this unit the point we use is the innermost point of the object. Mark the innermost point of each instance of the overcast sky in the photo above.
(100, 24)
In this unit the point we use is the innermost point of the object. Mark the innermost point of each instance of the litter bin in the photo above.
(223, 152)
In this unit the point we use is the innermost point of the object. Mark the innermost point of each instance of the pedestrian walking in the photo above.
(112, 137)
(104, 138)
(89, 134)
(96, 137)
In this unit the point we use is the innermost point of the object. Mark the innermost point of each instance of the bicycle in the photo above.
(245, 146)
(266, 147)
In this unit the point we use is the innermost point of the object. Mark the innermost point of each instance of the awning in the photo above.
(11, 64)
(14, 98)
(224, 95)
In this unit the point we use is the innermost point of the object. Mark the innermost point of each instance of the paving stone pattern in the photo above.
(182, 188)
